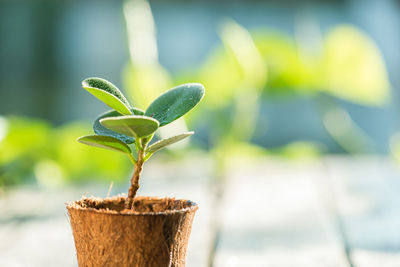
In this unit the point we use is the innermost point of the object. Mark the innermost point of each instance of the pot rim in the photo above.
(74, 205)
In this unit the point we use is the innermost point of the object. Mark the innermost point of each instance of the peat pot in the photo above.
(156, 233)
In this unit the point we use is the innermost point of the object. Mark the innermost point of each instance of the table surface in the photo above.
(334, 211)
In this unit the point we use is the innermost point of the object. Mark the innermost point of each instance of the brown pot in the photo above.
(155, 234)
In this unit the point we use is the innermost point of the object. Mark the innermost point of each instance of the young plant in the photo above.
(129, 130)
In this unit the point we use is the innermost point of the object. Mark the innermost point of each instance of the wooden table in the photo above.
(334, 211)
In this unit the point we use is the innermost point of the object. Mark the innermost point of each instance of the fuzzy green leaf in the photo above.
(175, 102)
(107, 93)
(136, 126)
(107, 142)
(101, 130)
(168, 141)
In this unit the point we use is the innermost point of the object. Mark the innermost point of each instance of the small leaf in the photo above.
(101, 130)
(107, 142)
(107, 93)
(175, 103)
(137, 111)
(132, 125)
(168, 141)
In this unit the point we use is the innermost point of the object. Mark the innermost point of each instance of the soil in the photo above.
(142, 205)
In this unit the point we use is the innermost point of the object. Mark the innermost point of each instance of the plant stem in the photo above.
(136, 176)
(135, 180)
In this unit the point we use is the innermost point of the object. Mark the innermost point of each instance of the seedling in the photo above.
(129, 130)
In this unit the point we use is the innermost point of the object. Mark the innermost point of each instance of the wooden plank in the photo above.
(37, 243)
(367, 190)
(274, 215)
(34, 230)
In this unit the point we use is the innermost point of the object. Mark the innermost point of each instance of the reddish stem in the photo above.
(129, 203)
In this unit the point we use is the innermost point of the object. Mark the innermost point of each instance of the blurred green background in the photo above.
(297, 79)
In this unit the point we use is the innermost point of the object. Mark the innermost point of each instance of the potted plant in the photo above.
(133, 230)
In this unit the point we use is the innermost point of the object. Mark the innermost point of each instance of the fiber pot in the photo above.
(156, 233)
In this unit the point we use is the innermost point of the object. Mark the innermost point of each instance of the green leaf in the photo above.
(107, 93)
(137, 111)
(132, 125)
(168, 141)
(101, 130)
(174, 103)
(107, 142)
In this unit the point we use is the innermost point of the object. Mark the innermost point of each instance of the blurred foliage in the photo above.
(86, 162)
(353, 67)
(152, 80)
(22, 142)
(23, 139)
(349, 65)
(31, 150)
(287, 72)
(300, 150)
(344, 64)
(243, 70)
